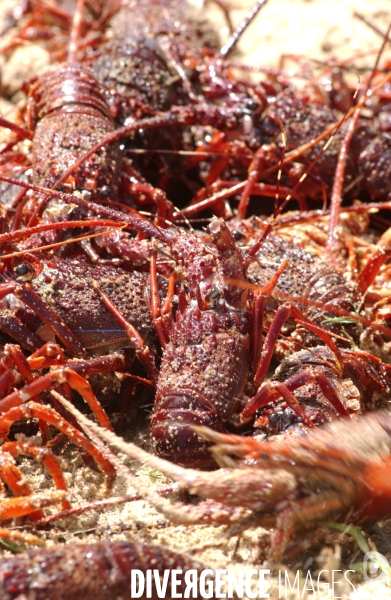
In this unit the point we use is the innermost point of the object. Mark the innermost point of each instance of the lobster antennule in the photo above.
(133, 218)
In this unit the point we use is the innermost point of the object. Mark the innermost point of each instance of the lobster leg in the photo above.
(27, 295)
(142, 350)
(367, 275)
(146, 194)
(258, 311)
(11, 508)
(274, 389)
(14, 367)
(19, 368)
(281, 316)
(21, 362)
(14, 479)
(47, 356)
(155, 303)
(12, 326)
(49, 460)
(33, 410)
(62, 375)
(255, 168)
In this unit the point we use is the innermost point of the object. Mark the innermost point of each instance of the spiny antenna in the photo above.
(336, 194)
(75, 31)
(230, 44)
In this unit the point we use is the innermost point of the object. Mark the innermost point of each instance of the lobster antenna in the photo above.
(370, 24)
(75, 32)
(72, 240)
(186, 220)
(336, 194)
(382, 47)
(230, 44)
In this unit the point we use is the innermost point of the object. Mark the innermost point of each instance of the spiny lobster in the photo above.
(205, 339)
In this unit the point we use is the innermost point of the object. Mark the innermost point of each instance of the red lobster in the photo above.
(206, 355)
(103, 572)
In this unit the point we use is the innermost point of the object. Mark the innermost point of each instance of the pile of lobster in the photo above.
(130, 265)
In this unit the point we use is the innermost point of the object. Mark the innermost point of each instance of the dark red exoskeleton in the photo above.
(205, 358)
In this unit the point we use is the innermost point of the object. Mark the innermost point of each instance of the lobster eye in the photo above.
(105, 191)
(237, 235)
(274, 418)
(24, 272)
(214, 293)
(252, 105)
